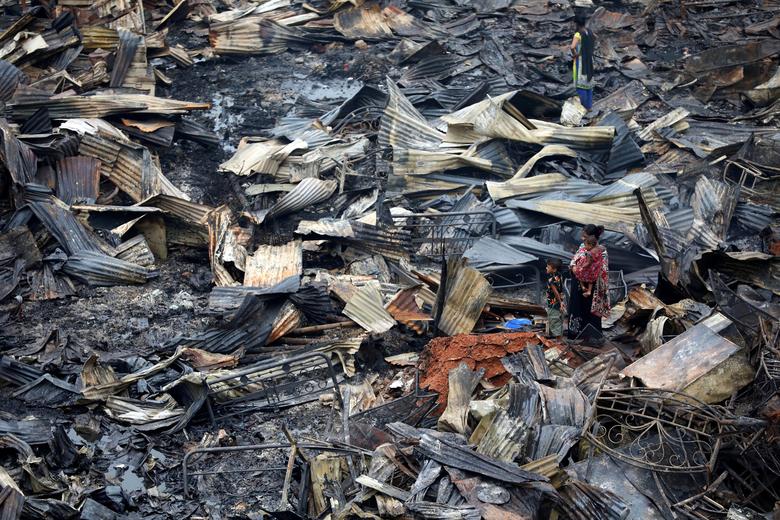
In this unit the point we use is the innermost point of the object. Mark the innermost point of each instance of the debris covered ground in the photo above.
(284, 258)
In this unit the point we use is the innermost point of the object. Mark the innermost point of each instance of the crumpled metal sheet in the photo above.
(98, 269)
(365, 307)
(64, 227)
(403, 127)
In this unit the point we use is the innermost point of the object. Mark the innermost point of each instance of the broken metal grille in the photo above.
(276, 384)
(444, 235)
(660, 430)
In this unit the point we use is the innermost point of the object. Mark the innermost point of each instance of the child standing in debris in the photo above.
(555, 305)
(592, 248)
(582, 54)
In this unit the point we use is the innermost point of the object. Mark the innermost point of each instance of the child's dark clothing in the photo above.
(554, 317)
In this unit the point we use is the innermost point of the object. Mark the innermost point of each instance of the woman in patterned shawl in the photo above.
(585, 312)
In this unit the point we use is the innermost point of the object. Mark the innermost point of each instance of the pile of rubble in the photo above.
(366, 336)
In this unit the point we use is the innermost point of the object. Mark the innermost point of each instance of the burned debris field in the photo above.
(356, 259)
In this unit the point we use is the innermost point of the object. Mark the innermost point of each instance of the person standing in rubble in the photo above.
(582, 56)
(586, 312)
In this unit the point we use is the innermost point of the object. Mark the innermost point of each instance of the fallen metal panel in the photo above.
(10, 77)
(97, 269)
(698, 362)
(38, 123)
(365, 308)
(536, 248)
(403, 126)
(78, 179)
(487, 252)
(128, 44)
(228, 299)
(257, 35)
(186, 210)
(270, 265)
(610, 217)
(462, 457)
(530, 187)
(308, 192)
(64, 227)
(464, 302)
(625, 152)
(99, 105)
(19, 159)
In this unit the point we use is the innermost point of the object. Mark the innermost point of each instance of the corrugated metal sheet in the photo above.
(530, 187)
(39, 123)
(99, 105)
(10, 77)
(64, 227)
(366, 309)
(228, 299)
(624, 152)
(421, 162)
(465, 299)
(534, 247)
(270, 265)
(256, 35)
(18, 158)
(488, 252)
(262, 157)
(98, 37)
(186, 210)
(404, 308)
(78, 179)
(313, 300)
(365, 21)
(610, 217)
(188, 129)
(714, 202)
(310, 191)
(549, 150)
(136, 251)
(680, 220)
(753, 216)
(403, 126)
(128, 45)
(288, 319)
(97, 269)
(129, 166)
(431, 68)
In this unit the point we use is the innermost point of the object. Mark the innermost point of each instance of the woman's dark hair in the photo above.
(593, 230)
(581, 19)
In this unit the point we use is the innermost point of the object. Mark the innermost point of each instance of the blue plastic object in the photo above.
(518, 324)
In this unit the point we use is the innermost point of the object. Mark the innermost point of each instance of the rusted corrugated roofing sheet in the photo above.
(403, 126)
(78, 179)
(464, 301)
(366, 309)
(270, 265)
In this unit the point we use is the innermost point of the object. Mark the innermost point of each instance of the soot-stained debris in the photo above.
(282, 258)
